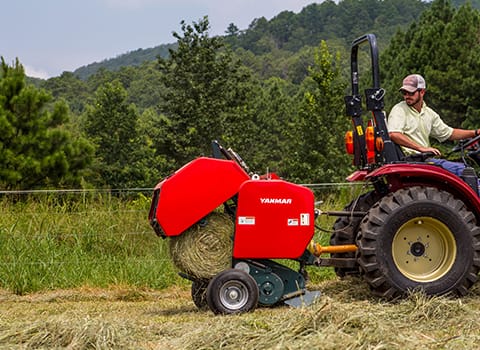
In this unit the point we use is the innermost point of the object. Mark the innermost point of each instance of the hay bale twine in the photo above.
(205, 248)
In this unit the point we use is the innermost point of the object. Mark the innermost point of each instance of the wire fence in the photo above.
(78, 191)
(30, 216)
(150, 189)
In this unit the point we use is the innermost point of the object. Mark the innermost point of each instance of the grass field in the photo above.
(52, 241)
(345, 317)
(89, 273)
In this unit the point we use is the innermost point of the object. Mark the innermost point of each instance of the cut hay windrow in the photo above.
(204, 249)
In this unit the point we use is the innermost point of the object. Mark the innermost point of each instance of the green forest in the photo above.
(274, 92)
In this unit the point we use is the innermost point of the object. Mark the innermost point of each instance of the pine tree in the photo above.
(317, 151)
(443, 46)
(36, 149)
(112, 125)
(203, 85)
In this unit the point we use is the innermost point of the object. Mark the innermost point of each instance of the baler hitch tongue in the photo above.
(304, 300)
(316, 249)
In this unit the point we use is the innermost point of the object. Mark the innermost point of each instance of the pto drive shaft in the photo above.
(316, 249)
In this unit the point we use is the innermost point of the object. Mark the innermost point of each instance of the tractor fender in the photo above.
(425, 174)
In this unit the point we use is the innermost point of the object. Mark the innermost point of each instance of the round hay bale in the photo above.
(204, 249)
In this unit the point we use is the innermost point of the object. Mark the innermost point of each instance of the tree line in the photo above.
(284, 113)
(274, 41)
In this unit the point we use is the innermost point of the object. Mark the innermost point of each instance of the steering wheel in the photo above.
(466, 143)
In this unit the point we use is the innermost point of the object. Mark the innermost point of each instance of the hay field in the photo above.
(345, 317)
(90, 274)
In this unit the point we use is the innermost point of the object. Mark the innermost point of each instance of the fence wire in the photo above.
(150, 189)
(6, 193)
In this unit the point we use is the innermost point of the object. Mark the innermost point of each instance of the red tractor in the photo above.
(415, 227)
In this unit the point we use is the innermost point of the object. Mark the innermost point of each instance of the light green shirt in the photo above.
(419, 127)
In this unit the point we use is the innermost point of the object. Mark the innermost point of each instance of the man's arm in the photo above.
(460, 134)
(405, 141)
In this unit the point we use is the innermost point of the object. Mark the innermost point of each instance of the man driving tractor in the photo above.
(411, 123)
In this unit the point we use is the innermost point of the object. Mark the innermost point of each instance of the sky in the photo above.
(52, 36)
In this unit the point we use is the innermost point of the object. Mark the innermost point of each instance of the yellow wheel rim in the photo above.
(424, 249)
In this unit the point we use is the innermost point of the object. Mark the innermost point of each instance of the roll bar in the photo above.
(374, 103)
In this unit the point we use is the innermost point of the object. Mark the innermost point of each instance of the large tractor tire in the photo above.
(419, 238)
(345, 229)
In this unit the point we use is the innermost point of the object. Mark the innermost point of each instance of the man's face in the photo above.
(412, 98)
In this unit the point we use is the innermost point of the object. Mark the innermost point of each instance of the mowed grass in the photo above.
(344, 317)
(89, 273)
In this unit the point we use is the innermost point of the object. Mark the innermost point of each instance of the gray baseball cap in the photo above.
(413, 82)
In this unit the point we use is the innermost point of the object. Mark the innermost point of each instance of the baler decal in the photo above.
(276, 200)
(304, 219)
(246, 220)
(292, 222)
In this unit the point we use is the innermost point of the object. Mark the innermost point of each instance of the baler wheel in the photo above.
(199, 293)
(345, 229)
(419, 238)
(232, 291)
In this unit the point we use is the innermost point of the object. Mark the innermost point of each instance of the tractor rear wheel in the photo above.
(419, 238)
(232, 291)
(345, 229)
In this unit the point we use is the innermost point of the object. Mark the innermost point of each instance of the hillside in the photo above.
(132, 58)
(291, 32)
(272, 97)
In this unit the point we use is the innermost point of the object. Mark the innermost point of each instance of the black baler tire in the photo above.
(199, 293)
(345, 230)
(386, 256)
(235, 279)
